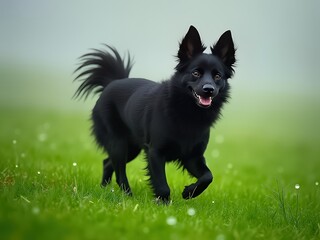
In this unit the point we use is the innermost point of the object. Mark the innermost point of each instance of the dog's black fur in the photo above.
(170, 120)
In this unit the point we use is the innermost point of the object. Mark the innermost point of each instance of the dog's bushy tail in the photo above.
(99, 68)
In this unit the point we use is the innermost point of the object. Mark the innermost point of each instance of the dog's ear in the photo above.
(190, 45)
(224, 49)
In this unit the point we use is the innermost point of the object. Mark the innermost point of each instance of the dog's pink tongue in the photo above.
(205, 101)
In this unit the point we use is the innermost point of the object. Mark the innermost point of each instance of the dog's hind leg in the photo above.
(107, 172)
(119, 161)
(118, 154)
(100, 132)
(156, 168)
(197, 168)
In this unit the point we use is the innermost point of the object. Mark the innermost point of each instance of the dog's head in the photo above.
(205, 75)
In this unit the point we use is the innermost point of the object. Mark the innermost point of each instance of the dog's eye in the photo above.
(196, 74)
(217, 77)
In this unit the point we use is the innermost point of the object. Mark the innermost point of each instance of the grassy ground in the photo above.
(265, 161)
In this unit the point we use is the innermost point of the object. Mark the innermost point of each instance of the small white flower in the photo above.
(219, 139)
(14, 141)
(35, 210)
(220, 237)
(212, 202)
(191, 211)
(230, 166)
(74, 164)
(215, 153)
(17, 165)
(171, 221)
(38, 172)
(42, 137)
(317, 183)
(297, 186)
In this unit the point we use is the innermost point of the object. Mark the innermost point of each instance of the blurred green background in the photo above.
(278, 45)
(270, 129)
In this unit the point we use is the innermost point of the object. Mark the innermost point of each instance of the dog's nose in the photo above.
(208, 88)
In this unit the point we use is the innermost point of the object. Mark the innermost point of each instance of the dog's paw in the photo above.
(127, 192)
(189, 191)
(104, 183)
(163, 201)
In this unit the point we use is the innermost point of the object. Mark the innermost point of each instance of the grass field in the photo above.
(265, 161)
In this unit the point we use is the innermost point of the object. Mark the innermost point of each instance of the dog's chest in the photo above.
(184, 145)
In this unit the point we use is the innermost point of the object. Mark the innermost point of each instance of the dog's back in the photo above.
(122, 109)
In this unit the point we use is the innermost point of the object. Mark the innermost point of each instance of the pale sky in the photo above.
(278, 41)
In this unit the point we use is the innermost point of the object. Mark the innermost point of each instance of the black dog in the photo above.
(170, 120)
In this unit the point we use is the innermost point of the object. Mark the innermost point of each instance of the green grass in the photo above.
(257, 156)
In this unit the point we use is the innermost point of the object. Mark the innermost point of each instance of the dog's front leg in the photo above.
(156, 168)
(197, 168)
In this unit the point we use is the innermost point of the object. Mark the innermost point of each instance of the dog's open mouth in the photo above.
(202, 101)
